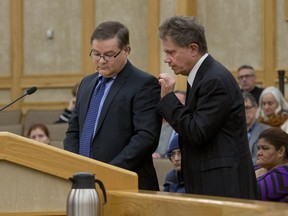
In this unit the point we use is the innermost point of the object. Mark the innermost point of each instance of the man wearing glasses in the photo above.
(247, 81)
(254, 128)
(174, 180)
(115, 118)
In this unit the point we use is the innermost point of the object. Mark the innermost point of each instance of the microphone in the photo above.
(28, 92)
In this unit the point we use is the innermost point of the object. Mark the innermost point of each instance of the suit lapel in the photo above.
(199, 76)
(116, 86)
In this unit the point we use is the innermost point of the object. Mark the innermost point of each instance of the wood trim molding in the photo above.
(170, 204)
(153, 21)
(286, 9)
(269, 43)
(50, 81)
(186, 7)
(88, 25)
(44, 213)
(16, 17)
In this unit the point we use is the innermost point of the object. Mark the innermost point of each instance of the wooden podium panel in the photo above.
(35, 176)
(21, 184)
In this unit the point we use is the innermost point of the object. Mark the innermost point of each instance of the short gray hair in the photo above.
(248, 96)
(183, 31)
(282, 104)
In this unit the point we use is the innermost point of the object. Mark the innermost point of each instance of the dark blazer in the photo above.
(129, 125)
(257, 129)
(213, 138)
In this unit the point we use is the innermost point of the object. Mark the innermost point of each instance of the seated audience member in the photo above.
(40, 133)
(65, 116)
(247, 81)
(167, 132)
(174, 181)
(272, 161)
(284, 126)
(273, 109)
(254, 128)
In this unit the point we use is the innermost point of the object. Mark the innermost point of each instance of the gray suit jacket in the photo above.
(258, 128)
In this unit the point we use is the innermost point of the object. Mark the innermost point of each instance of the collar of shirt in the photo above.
(113, 78)
(250, 130)
(252, 127)
(192, 74)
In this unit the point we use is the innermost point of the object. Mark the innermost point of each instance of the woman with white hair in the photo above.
(273, 108)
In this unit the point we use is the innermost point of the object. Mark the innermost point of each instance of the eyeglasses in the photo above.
(172, 154)
(249, 107)
(106, 58)
(245, 76)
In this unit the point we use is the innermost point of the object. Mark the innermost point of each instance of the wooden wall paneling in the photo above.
(186, 7)
(88, 26)
(51, 81)
(5, 82)
(47, 213)
(286, 9)
(16, 48)
(153, 20)
(269, 44)
(18, 82)
(41, 106)
(152, 203)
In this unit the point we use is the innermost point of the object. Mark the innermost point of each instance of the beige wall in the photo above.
(133, 14)
(59, 54)
(233, 31)
(282, 33)
(238, 32)
(167, 9)
(5, 38)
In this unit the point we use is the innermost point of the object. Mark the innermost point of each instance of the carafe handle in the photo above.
(103, 190)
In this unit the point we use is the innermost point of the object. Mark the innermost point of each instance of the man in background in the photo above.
(247, 81)
(174, 180)
(167, 132)
(254, 128)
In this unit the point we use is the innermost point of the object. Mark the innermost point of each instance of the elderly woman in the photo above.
(273, 109)
(272, 161)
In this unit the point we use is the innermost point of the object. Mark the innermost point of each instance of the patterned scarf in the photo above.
(274, 120)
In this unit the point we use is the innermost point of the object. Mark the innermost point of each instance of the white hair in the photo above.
(282, 104)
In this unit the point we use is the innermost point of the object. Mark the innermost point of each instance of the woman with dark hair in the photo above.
(40, 133)
(272, 170)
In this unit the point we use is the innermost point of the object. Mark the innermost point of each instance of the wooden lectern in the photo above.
(34, 181)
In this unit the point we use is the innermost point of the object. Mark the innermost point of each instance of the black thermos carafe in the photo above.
(83, 199)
